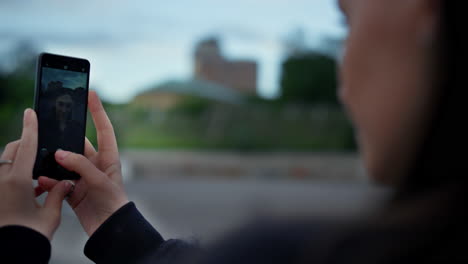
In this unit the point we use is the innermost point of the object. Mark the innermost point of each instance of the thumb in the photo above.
(81, 165)
(55, 197)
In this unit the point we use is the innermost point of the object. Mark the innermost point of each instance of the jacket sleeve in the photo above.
(127, 237)
(19, 244)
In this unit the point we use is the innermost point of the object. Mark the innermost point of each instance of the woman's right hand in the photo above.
(99, 192)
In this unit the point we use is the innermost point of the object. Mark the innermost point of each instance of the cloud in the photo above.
(241, 33)
(57, 37)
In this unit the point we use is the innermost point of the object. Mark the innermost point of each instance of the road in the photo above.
(207, 209)
(203, 195)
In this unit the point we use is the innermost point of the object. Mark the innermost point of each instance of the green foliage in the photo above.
(309, 78)
(192, 105)
(305, 118)
(17, 93)
(251, 127)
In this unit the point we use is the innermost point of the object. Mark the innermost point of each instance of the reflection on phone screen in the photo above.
(62, 109)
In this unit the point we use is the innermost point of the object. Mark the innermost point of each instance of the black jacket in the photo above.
(126, 237)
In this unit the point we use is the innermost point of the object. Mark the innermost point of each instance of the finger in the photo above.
(74, 198)
(107, 144)
(10, 150)
(47, 184)
(38, 190)
(81, 165)
(89, 149)
(55, 197)
(26, 154)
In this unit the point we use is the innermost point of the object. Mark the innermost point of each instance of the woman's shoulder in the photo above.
(278, 241)
(321, 240)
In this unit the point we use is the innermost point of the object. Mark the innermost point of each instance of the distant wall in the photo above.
(237, 165)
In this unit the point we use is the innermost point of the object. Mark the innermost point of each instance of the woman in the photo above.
(401, 83)
(57, 128)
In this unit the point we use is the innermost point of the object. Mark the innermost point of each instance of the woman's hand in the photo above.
(99, 192)
(18, 205)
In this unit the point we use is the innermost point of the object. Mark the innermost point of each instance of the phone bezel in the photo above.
(59, 62)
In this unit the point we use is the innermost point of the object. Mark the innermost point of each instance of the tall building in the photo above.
(212, 66)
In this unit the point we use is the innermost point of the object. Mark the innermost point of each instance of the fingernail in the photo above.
(26, 114)
(61, 154)
(67, 185)
(70, 186)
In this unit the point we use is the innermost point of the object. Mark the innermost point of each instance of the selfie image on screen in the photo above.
(62, 110)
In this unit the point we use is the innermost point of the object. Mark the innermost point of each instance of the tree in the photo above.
(309, 78)
(16, 91)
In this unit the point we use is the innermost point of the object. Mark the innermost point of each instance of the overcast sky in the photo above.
(133, 45)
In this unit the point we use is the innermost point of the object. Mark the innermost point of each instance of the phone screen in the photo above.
(61, 103)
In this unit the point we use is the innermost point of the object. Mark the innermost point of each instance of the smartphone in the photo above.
(61, 102)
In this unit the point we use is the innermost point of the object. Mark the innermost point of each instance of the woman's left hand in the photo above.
(18, 205)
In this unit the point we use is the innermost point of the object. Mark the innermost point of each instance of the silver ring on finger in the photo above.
(4, 162)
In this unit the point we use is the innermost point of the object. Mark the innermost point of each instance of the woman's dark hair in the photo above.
(440, 159)
(429, 205)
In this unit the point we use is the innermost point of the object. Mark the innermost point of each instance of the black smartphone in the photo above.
(61, 102)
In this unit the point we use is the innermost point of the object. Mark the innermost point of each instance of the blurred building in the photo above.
(211, 65)
(169, 94)
(215, 78)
